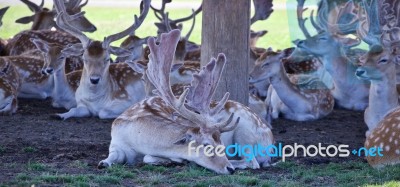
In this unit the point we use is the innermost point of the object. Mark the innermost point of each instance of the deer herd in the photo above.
(161, 98)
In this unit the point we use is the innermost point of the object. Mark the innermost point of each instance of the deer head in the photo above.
(95, 54)
(332, 27)
(194, 103)
(54, 58)
(43, 18)
(384, 43)
(268, 65)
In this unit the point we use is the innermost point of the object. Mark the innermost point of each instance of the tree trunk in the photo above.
(226, 29)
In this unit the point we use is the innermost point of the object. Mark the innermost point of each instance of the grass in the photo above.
(284, 174)
(112, 20)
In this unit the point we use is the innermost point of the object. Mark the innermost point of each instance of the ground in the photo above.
(35, 149)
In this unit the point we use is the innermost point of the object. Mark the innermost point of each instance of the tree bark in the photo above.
(226, 29)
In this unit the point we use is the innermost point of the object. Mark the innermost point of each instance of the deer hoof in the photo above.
(102, 165)
(56, 116)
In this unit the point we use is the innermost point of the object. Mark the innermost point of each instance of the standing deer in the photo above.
(328, 45)
(176, 123)
(65, 83)
(43, 18)
(105, 90)
(9, 87)
(292, 100)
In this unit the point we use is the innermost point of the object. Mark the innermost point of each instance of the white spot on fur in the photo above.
(387, 148)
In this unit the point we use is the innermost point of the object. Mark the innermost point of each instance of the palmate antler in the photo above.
(391, 31)
(199, 94)
(369, 29)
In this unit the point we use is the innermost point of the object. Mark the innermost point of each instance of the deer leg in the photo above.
(108, 114)
(80, 111)
(118, 155)
(153, 160)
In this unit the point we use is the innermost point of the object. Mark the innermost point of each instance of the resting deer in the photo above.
(328, 45)
(43, 18)
(176, 123)
(9, 87)
(377, 66)
(65, 84)
(3, 43)
(291, 100)
(105, 90)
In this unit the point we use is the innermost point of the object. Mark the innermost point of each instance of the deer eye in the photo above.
(265, 65)
(383, 61)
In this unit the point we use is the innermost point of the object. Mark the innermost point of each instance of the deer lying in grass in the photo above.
(9, 87)
(328, 45)
(178, 123)
(43, 18)
(284, 97)
(65, 84)
(105, 90)
(378, 66)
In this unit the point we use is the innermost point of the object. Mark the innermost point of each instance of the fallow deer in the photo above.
(105, 90)
(284, 97)
(65, 86)
(9, 87)
(377, 66)
(43, 18)
(182, 122)
(328, 45)
(3, 43)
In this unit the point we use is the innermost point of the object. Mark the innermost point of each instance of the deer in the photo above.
(65, 83)
(377, 66)
(284, 97)
(328, 45)
(43, 18)
(180, 120)
(9, 87)
(105, 90)
(3, 43)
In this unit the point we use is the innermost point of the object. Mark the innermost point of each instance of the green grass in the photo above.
(112, 20)
(284, 174)
(29, 149)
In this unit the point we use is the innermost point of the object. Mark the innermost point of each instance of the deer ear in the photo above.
(41, 45)
(25, 20)
(350, 42)
(176, 66)
(184, 140)
(120, 52)
(396, 55)
(136, 66)
(73, 50)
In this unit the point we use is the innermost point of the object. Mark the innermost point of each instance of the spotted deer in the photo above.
(291, 100)
(179, 121)
(328, 45)
(65, 83)
(9, 87)
(3, 43)
(43, 18)
(105, 90)
(377, 66)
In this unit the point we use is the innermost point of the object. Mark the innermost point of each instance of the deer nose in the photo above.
(49, 70)
(360, 72)
(94, 80)
(231, 170)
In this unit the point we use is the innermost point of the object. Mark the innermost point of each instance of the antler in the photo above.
(263, 9)
(391, 31)
(32, 6)
(138, 21)
(63, 21)
(369, 29)
(159, 67)
(2, 12)
(322, 14)
(300, 19)
(160, 11)
(336, 27)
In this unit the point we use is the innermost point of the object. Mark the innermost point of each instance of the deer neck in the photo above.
(288, 93)
(383, 95)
